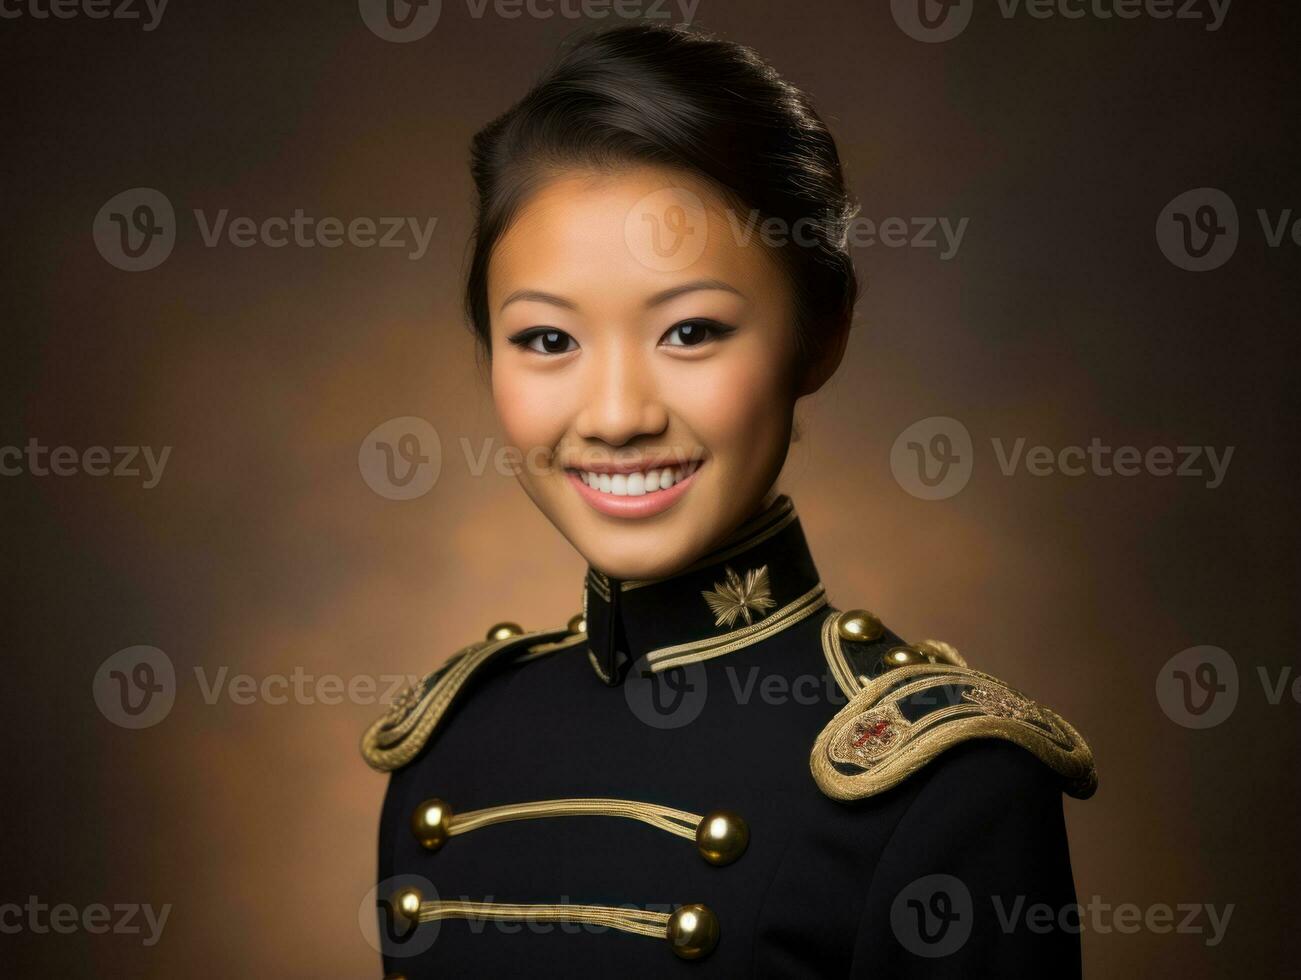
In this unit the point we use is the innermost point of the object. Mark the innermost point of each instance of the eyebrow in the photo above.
(663, 296)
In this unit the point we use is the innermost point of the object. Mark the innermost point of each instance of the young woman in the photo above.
(708, 760)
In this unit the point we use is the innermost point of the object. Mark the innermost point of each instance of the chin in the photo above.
(635, 561)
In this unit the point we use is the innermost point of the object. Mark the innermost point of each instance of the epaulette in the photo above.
(910, 702)
(396, 738)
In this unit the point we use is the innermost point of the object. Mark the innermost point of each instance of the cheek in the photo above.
(739, 405)
(531, 408)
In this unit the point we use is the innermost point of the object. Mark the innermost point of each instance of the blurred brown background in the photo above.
(261, 550)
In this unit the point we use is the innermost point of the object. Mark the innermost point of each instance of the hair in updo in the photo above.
(673, 96)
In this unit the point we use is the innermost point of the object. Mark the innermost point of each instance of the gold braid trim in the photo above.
(844, 675)
(640, 921)
(870, 746)
(715, 646)
(678, 822)
(543, 649)
(395, 739)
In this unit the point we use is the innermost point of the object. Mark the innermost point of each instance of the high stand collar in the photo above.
(760, 581)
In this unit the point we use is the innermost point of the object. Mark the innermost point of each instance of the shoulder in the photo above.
(397, 737)
(912, 703)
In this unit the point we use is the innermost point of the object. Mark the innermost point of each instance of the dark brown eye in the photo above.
(693, 333)
(545, 340)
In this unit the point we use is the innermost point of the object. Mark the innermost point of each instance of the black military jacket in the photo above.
(718, 774)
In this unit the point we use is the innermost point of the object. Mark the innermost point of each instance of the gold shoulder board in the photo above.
(396, 738)
(923, 700)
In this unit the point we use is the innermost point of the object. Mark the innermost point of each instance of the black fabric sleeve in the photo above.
(976, 878)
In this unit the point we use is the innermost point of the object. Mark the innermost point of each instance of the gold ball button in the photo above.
(722, 836)
(860, 626)
(504, 631)
(431, 823)
(407, 903)
(693, 931)
(577, 623)
(905, 657)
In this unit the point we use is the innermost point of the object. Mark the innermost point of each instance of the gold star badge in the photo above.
(734, 597)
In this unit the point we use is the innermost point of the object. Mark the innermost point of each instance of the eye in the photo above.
(694, 333)
(544, 340)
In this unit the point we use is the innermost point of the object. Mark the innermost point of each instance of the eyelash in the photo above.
(714, 331)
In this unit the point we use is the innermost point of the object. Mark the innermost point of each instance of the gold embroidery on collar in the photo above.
(600, 583)
(735, 596)
(715, 646)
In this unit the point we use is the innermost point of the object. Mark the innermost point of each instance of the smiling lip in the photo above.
(645, 505)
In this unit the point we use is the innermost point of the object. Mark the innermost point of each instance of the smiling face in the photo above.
(644, 364)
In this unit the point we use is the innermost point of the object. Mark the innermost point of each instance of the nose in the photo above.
(621, 400)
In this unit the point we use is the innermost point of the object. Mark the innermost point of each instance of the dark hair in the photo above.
(673, 96)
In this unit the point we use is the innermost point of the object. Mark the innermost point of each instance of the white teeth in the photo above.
(638, 484)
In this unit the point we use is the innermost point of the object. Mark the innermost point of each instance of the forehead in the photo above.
(621, 236)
